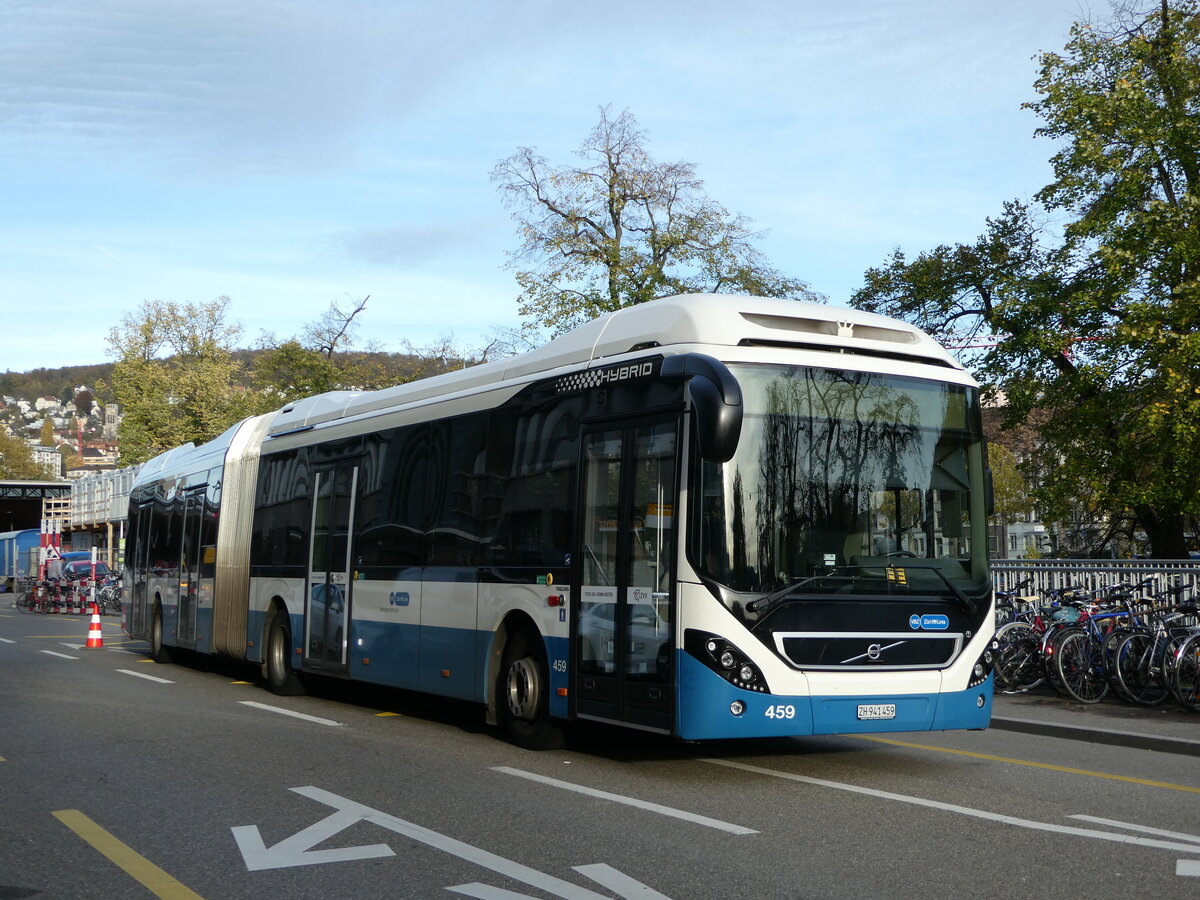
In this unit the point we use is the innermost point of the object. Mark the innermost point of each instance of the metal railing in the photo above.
(1093, 574)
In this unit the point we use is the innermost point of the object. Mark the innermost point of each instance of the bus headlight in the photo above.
(725, 659)
(983, 666)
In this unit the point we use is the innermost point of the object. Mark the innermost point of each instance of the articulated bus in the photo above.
(708, 516)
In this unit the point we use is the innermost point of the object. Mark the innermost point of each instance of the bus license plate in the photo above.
(877, 711)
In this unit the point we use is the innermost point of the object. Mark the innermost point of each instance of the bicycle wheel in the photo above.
(1187, 673)
(1079, 660)
(1136, 669)
(1018, 658)
(1051, 641)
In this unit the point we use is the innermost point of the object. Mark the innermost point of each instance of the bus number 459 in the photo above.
(780, 712)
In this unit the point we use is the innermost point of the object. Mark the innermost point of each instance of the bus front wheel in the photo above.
(524, 701)
(281, 677)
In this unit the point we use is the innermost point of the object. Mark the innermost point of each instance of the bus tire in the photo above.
(282, 679)
(524, 694)
(159, 651)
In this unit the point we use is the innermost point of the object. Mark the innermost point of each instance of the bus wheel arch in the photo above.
(281, 678)
(519, 697)
(159, 651)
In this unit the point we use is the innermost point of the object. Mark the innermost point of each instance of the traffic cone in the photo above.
(95, 633)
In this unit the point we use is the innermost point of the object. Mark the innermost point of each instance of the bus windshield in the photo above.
(843, 479)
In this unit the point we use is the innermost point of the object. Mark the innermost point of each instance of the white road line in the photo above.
(59, 655)
(1129, 826)
(961, 810)
(618, 882)
(1189, 867)
(73, 646)
(144, 675)
(629, 801)
(6, 641)
(294, 715)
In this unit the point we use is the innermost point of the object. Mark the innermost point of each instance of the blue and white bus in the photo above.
(709, 516)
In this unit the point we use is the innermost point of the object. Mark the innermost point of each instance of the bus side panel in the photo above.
(448, 663)
(385, 634)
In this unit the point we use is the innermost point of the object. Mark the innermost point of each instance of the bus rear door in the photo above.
(327, 605)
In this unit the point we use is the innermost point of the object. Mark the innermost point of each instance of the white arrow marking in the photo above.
(297, 849)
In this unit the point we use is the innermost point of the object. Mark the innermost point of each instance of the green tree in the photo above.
(621, 229)
(47, 435)
(1009, 487)
(16, 459)
(1097, 327)
(175, 376)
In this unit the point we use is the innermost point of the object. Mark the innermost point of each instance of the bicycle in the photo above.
(1083, 654)
(108, 597)
(1185, 684)
(1142, 661)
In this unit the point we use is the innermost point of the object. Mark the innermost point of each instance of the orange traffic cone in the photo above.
(95, 634)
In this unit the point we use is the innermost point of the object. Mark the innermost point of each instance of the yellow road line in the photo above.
(1033, 765)
(154, 879)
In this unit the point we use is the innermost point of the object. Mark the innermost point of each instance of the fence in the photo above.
(1093, 574)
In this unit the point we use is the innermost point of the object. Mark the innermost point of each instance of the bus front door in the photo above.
(623, 623)
(327, 606)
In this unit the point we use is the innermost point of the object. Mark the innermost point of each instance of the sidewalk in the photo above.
(1168, 728)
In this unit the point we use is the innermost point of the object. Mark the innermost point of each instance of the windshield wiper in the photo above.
(770, 601)
(765, 604)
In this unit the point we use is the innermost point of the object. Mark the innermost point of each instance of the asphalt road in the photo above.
(120, 778)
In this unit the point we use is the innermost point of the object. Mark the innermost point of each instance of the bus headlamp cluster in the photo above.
(983, 666)
(726, 660)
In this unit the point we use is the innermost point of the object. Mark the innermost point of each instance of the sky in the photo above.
(292, 154)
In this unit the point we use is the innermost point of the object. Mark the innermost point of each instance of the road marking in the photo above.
(1178, 835)
(1128, 779)
(132, 863)
(6, 641)
(56, 653)
(297, 849)
(961, 810)
(1188, 867)
(144, 675)
(292, 713)
(629, 801)
(349, 812)
(75, 646)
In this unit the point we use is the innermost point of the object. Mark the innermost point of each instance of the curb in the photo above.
(1116, 738)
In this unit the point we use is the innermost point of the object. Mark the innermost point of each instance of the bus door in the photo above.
(189, 565)
(624, 615)
(139, 570)
(327, 605)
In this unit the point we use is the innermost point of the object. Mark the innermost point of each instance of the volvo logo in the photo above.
(874, 653)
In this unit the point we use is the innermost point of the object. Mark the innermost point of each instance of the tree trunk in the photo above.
(1165, 533)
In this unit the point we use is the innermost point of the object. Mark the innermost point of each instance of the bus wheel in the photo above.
(159, 652)
(281, 677)
(524, 700)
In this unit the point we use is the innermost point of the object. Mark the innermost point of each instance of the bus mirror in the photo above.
(716, 402)
(718, 423)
